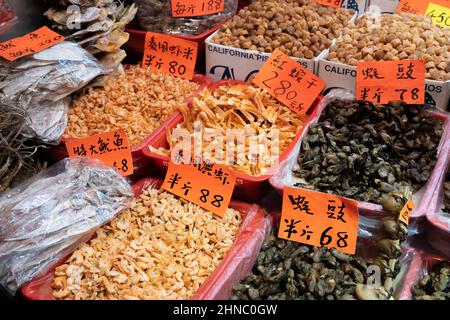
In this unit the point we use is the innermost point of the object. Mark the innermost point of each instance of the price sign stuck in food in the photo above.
(384, 81)
(30, 43)
(330, 3)
(196, 8)
(204, 183)
(319, 219)
(405, 213)
(170, 55)
(111, 148)
(289, 82)
(419, 6)
(440, 15)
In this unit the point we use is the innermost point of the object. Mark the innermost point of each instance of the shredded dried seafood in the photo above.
(42, 83)
(137, 101)
(42, 219)
(379, 154)
(97, 25)
(160, 248)
(294, 271)
(435, 285)
(251, 112)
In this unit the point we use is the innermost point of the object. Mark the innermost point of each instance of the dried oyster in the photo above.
(379, 154)
(434, 286)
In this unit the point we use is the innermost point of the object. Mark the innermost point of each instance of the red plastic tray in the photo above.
(422, 201)
(248, 188)
(140, 162)
(232, 269)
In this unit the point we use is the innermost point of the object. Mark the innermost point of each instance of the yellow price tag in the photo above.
(440, 15)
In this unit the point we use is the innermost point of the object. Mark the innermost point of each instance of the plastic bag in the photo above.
(46, 217)
(285, 177)
(43, 81)
(156, 15)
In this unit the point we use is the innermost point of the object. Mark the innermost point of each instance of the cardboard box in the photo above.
(386, 6)
(339, 75)
(229, 63)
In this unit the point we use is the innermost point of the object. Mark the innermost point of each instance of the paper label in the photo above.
(330, 3)
(170, 55)
(406, 211)
(196, 8)
(30, 43)
(319, 219)
(112, 148)
(440, 15)
(289, 82)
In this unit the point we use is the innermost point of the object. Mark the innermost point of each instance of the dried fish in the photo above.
(43, 218)
(379, 154)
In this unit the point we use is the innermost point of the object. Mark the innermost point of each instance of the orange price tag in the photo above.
(406, 211)
(319, 219)
(170, 55)
(206, 184)
(112, 148)
(289, 82)
(384, 81)
(30, 43)
(418, 6)
(196, 8)
(330, 3)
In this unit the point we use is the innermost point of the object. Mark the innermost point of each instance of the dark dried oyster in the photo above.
(435, 285)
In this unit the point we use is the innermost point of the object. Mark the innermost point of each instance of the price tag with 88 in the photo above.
(384, 81)
(204, 183)
(289, 82)
(169, 54)
(330, 3)
(196, 8)
(319, 219)
(30, 43)
(112, 148)
(440, 15)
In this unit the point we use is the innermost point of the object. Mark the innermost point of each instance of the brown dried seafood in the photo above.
(156, 16)
(395, 37)
(294, 271)
(160, 248)
(299, 28)
(379, 154)
(97, 25)
(434, 286)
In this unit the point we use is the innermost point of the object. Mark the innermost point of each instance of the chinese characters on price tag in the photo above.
(406, 211)
(30, 43)
(384, 81)
(419, 6)
(206, 184)
(440, 15)
(170, 55)
(289, 82)
(196, 8)
(319, 219)
(330, 3)
(111, 148)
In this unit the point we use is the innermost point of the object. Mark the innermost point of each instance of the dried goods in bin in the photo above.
(160, 248)
(395, 37)
(374, 153)
(156, 16)
(137, 101)
(294, 271)
(250, 112)
(435, 285)
(301, 29)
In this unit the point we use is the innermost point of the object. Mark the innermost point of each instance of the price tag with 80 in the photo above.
(289, 82)
(319, 219)
(112, 148)
(170, 55)
(204, 183)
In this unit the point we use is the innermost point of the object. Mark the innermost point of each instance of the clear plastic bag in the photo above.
(43, 81)
(156, 15)
(45, 218)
